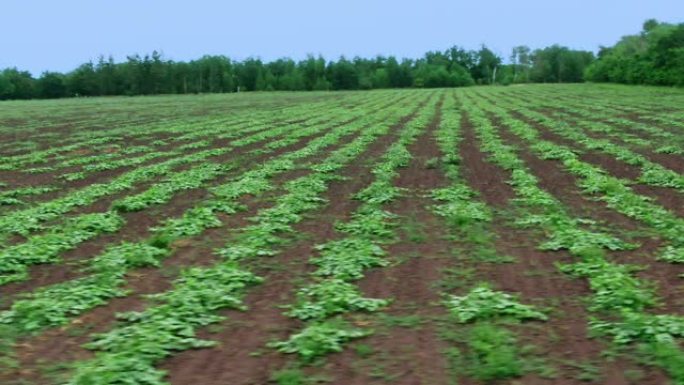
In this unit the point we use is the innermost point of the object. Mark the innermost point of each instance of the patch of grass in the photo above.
(586, 370)
(289, 377)
(79, 330)
(7, 355)
(57, 373)
(492, 353)
(487, 351)
(455, 278)
(403, 321)
(489, 255)
(666, 355)
(432, 163)
(216, 328)
(414, 229)
(454, 363)
(363, 350)
(634, 376)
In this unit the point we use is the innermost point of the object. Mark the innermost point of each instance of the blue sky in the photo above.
(59, 35)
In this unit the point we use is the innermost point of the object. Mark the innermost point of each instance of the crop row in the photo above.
(129, 351)
(25, 221)
(54, 305)
(619, 300)
(177, 127)
(322, 304)
(206, 130)
(615, 192)
(179, 130)
(45, 248)
(485, 347)
(651, 173)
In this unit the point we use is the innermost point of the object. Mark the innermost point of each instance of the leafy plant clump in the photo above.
(320, 339)
(483, 303)
(330, 297)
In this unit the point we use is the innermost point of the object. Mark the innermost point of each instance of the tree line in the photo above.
(153, 74)
(655, 56)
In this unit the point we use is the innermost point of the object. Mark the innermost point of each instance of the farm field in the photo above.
(510, 235)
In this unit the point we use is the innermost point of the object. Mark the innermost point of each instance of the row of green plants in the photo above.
(12, 197)
(647, 136)
(622, 304)
(181, 129)
(206, 131)
(18, 162)
(129, 352)
(322, 305)
(647, 101)
(91, 169)
(14, 268)
(55, 305)
(92, 140)
(652, 173)
(29, 220)
(107, 153)
(195, 138)
(112, 152)
(614, 191)
(482, 345)
(606, 117)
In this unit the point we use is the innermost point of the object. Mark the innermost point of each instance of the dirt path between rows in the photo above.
(535, 277)
(241, 357)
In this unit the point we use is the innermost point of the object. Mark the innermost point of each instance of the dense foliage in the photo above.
(154, 74)
(654, 56)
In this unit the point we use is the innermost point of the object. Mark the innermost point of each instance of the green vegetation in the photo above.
(481, 303)
(295, 232)
(655, 56)
(370, 227)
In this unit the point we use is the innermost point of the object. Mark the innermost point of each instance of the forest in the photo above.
(654, 56)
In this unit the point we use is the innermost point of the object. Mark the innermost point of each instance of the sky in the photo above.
(59, 35)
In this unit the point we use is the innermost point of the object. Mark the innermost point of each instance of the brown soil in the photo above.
(61, 344)
(407, 355)
(485, 175)
(562, 185)
(667, 197)
(137, 225)
(536, 278)
(644, 119)
(672, 161)
(20, 179)
(233, 362)
(402, 355)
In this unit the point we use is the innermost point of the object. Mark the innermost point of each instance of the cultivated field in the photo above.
(507, 235)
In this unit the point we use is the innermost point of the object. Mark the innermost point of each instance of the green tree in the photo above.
(654, 56)
(521, 62)
(6, 87)
(51, 85)
(21, 84)
(314, 73)
(487, 63)
(343, 75)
